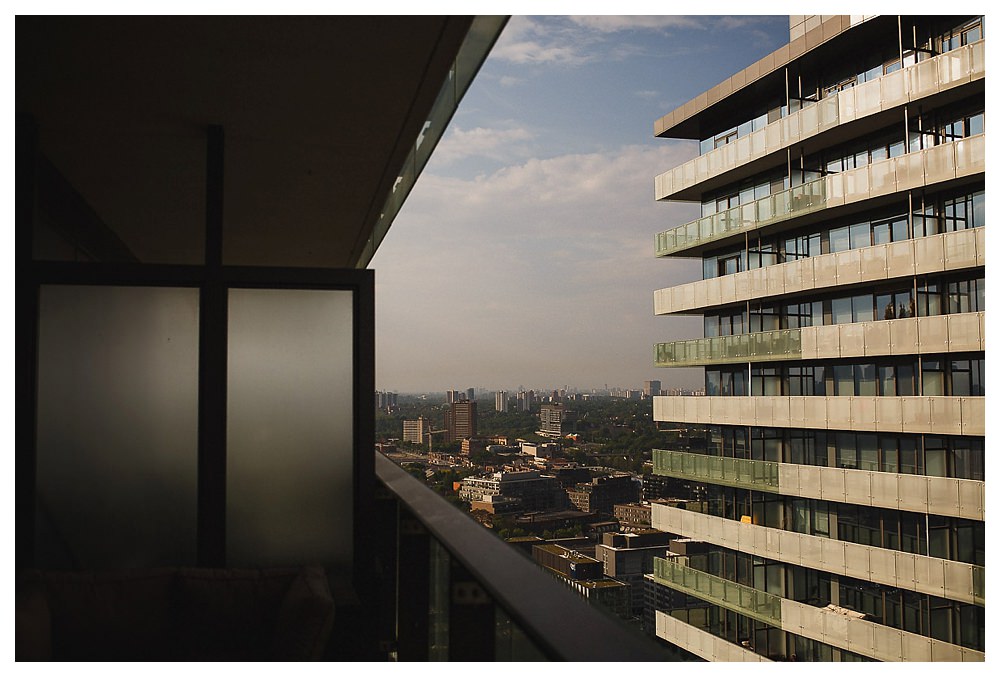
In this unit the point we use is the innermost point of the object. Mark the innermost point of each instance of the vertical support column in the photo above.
(26, 341)
(472, 618)
(386, 516)
(213, 351)
(364, 437)
(413, 572)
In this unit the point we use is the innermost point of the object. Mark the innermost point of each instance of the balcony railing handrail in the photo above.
(759, 346)
(789, 203)
(747, 216)
(758, 604)
(557, 620)
(738, 472)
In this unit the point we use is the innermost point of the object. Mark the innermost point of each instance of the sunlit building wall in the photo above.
(837, 459)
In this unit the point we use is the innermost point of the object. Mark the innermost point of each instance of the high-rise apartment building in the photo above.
(651, 388)
(526, 400)
(838, 454)
(502, 401)
(461, 420)
(414, 430)
(555, 420)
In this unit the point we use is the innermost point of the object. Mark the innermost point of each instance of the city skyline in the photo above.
(529, 229)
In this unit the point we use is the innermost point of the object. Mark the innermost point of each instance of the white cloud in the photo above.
(497, 144)
(510, 81)
(531, 52)
(541, 272)
(614, 24)
(647, 94)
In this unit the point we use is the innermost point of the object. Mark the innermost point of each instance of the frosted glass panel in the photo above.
(117, 427)
(290, 429)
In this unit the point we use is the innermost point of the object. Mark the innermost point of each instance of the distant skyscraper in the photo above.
(501, 400)
(651, 388)
(470, 394)
(525, 401)
(462, 420)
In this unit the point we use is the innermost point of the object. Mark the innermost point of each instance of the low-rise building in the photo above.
(536, 491)
(628, 557)
(601, 494)
(634, 514)
(585, 575)
(544, 450)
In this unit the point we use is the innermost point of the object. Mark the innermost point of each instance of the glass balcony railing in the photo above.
(733, 472)
(764, 346)
(742, 599)
(786, 204)
(910, 84)
(447, 589)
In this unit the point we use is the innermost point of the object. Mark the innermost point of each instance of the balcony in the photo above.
(765, 346)
(701, 643)
(931, 415)
(958, 250)
(915, 493)
(731, 472)
(728, 594)
(959, 332)
(854, 634)
(448, 589)
(908, 571)
(945, 162)
(737, 160)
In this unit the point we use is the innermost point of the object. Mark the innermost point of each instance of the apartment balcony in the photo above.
(854, 634)
(943, 163)
(958, 332)
(860, 107)
(946, 496)
(930, 575)
(958, 250)
(930, 415)
(448, 589)
(701, 643)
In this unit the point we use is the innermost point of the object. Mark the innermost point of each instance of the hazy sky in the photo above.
(524, 255)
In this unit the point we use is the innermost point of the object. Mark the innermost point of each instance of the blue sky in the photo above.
(524, 256)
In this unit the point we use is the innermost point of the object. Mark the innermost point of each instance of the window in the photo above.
(929, 299)
(860, 235)
(841, 312)
(933, 378)
(840, 239)
(864, 380)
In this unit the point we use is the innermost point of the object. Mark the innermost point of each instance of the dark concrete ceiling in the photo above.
(318, 115)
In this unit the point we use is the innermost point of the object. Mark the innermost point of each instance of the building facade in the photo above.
(502, 401)
(461, 420)
(556, 420)
(534, 490)
(601, 494)
(836, 464)
(415, 429)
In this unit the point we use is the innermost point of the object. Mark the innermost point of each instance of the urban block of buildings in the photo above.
(841, 181)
